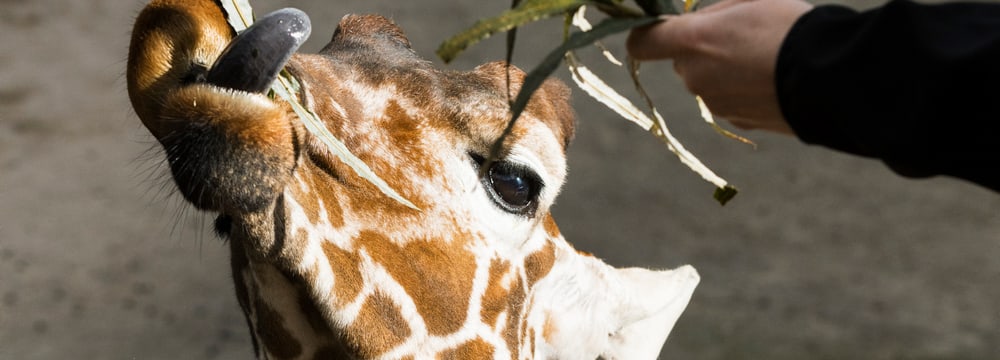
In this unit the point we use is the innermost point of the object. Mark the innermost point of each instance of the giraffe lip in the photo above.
(253, 59)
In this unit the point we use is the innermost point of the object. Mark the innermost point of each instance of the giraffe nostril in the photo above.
(196, 74)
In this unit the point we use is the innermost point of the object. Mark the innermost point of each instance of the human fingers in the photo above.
(721, 5)
(676, 35)
(662, 40)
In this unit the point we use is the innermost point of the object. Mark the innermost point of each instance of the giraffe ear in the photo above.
(653, 302)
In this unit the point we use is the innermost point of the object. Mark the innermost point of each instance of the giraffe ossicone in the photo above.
(325, 265)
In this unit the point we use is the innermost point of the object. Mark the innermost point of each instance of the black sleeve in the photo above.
(917, 86)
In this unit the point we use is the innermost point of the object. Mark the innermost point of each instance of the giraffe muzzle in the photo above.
(253, 59)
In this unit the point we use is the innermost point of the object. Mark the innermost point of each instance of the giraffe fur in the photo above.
(327, 267)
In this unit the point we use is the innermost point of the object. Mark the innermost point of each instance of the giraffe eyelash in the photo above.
(513, 187)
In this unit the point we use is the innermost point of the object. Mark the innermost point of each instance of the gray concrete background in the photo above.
(822, 255)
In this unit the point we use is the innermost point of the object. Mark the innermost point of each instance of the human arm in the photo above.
(913, 85)
(917, 86)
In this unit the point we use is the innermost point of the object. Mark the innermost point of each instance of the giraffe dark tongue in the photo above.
(253, 59)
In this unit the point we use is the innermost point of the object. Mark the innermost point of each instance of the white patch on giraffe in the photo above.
(508, 279)
(336, 106)
(338, 236)
(500, 325)
(296, 215)
(540, 150)
(303, 185)
(491, 333)
(212, 44)
(313, 259)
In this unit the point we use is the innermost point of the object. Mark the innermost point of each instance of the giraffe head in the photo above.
(325, 265)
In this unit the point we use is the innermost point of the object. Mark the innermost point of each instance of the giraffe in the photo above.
(327, 267)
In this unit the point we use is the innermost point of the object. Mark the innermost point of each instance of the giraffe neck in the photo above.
(283, 320)
(381, 299)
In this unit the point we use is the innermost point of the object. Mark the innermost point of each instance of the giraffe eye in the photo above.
(513, 187)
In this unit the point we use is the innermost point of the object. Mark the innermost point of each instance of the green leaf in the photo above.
(576, 40)
(596, 88)
(239, 13)
(580, 21)
(511, 39)
(724, 194)
(537, 76)
(525, 12)
(706, 114)
(723, 191)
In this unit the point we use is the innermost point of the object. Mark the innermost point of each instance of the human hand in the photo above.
(726, 53)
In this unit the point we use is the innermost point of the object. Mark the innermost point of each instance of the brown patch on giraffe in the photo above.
(558, 114)
(474, 349)
(308, 201)
(539, 263)
(496, 298)
(408, 159)
(549, 329)
(321, 189)
(436, 274)
(272, 333)
(347, 280)
(549, 223)
(406, 133)
(550, 103)
(379, 327)
(342, 117)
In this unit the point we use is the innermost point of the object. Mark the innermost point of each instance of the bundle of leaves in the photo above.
(619, 18)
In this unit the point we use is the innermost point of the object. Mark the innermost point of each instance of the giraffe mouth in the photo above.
(252, 60)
